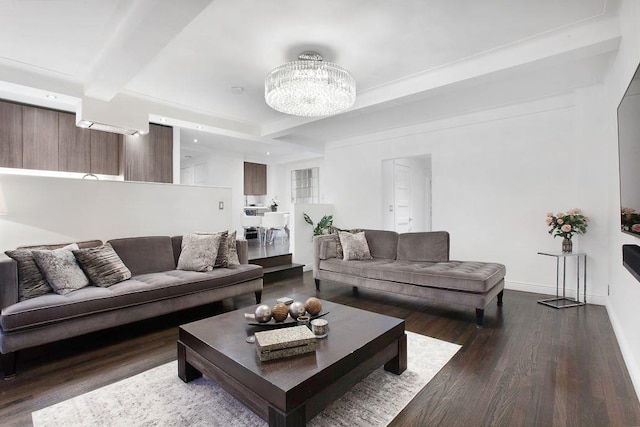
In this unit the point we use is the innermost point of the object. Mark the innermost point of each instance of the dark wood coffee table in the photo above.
(289, 392)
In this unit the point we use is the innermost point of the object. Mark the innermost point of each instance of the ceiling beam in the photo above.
(133, 41)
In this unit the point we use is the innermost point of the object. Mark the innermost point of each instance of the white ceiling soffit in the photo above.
(181, 59)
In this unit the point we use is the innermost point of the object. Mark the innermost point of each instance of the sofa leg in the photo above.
(355, 290)
(479, 317)
(258, 296)
(500, 298)
(317, 284)
(9, 363)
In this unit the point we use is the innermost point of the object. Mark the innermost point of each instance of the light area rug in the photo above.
(158, 397)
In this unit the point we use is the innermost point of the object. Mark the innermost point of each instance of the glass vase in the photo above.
(567, 245)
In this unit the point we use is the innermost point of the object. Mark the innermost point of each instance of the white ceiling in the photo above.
(413, 60)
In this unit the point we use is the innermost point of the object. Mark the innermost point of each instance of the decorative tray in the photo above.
(272, 324)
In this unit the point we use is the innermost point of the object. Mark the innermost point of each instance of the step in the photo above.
(273, 261)
(280, 272)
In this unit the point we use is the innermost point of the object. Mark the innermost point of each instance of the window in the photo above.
(304, 186)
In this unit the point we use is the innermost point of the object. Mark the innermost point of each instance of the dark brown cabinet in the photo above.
(39, 138)
(255, 179)
(105, 152)
(149, 158)
(10, 135)
(74, 145)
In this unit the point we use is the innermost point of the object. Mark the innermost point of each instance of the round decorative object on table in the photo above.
(313, 306)
(263, 313)
(280, 312)
(320, 328)
(567, 246)
(296, 309)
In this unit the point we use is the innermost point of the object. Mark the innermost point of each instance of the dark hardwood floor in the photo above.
(531, 365)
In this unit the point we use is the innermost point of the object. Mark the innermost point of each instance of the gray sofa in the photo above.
(155, 288)
(415, 264)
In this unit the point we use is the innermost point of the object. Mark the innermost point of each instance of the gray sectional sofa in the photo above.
(155, 288)
(415, 264)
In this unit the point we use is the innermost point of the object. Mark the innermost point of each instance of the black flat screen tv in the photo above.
(629, 157)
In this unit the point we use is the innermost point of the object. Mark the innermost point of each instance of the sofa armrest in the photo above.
(242, 247)
(8, 282)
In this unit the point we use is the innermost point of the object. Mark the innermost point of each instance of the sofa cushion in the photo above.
(138, 290)
(31, 282)
(430, 246)
(382, 244)
(466, 276)
(102, 265)
(199, 252)
(144, 255)
(232, 250)
(354, 246)
(61, 269)
(354, 268)
(329, 248)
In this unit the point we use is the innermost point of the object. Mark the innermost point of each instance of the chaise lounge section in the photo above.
(414, 264)
(155, 288)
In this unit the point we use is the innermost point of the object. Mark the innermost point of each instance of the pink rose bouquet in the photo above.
(567, 224)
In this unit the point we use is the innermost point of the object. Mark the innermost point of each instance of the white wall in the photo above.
(495, 174)
(222, 170)
(622, 304)
(44, 210)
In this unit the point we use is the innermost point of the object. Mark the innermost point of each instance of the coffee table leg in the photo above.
(398, 364)
(294, 418)
(186, 372)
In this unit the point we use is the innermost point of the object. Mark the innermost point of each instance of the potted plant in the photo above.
(273, 206)
(323, 225)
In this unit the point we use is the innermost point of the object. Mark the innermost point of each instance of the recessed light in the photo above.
(268, 153)
(51, 96)
(195, 140)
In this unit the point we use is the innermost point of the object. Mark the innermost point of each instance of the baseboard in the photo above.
(629, 359)
(551, 290)
(307, 268)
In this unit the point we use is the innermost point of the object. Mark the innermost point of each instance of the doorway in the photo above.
(406, 194)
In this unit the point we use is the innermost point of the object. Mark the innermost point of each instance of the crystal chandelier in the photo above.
(309, 87)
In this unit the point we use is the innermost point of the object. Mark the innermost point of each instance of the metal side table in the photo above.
(563, 301)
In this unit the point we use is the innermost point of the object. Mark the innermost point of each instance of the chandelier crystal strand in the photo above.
(309, 87)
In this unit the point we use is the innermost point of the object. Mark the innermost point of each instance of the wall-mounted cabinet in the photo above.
(10, 135)
(149, 158)
(255, 179)
(39, 138)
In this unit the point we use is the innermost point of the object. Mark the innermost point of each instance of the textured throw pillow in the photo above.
(335, 230)
(31, 282)
(222, 257)
(329, 248)
(199, 252)
(354, 246)
(102, 265)
(61, 269)
(232, 251)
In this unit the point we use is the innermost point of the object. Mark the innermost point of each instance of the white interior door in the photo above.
(186, 175)
(402, 197)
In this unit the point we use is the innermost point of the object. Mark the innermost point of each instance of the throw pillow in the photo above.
(354, 246)
(222, 257)
(61, 269)
(336, 230)
(31, 282)
(199, 252)
(329, 248)
(103, 265)
(232, 251)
